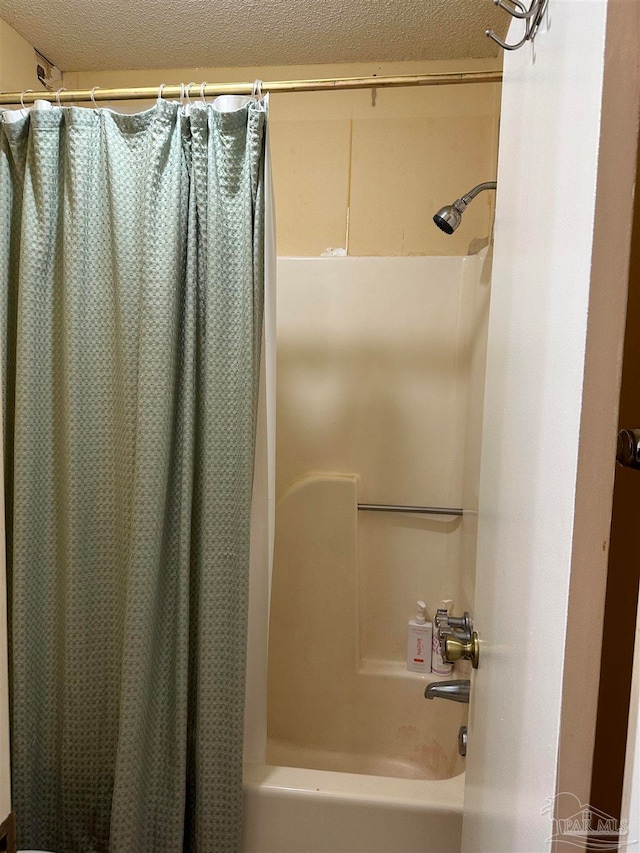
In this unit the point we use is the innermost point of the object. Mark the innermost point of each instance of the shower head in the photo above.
(448, 218)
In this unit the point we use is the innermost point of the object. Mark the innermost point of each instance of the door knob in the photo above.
(457, 648)
(628, 450)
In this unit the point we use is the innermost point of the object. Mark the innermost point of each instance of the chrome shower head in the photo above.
(448, 218)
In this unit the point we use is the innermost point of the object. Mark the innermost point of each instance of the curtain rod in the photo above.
(278, 86)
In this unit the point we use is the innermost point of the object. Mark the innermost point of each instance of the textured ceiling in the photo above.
(88, 35)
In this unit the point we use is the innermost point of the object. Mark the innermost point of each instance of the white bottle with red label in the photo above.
(419, 640)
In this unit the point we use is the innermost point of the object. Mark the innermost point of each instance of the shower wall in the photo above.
(380, 375)
(380, 387)
(380, 392)
(360, 173)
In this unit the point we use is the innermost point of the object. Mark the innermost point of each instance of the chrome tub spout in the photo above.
(457, 691)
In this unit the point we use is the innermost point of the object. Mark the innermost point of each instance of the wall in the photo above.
(369, 383)
(472, 338)
(380, 375)
(17, 72)
(367, 178)
(17, 62)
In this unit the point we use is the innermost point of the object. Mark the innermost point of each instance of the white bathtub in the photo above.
(294, 810)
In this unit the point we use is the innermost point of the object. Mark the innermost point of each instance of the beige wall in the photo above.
(380, 375)
(367, 178)
(17, 62)
(379, 400)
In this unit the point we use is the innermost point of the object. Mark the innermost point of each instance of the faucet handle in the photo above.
(457, 638)
(458, 628)
(444, 621)
(463, 623)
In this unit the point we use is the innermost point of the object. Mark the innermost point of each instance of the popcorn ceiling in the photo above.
(85, 35)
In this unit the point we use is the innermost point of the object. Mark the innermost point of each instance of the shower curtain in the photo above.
(132, 288)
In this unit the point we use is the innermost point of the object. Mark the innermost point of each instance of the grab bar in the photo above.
(420, 510)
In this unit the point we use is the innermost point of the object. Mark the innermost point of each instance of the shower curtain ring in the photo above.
(24, 92)
(181, 93)
(92, 96)
(203, 97)
(61, 89)
(257, 90)
(188, 91)
(160, 91)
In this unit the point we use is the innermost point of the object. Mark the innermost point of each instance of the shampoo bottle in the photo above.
(438, 665)
(419, 639)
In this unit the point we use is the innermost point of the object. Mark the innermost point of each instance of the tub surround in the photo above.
(380, 375)
(328, 707)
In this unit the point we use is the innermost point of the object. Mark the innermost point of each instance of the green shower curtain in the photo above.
(131, 272)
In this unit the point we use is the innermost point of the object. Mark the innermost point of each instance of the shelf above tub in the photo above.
(396, 669)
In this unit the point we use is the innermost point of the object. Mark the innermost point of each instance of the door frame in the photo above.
(612, 235)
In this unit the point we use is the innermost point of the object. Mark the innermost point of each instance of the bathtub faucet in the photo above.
(457, 691)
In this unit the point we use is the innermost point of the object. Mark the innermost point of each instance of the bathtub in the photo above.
(296, 810)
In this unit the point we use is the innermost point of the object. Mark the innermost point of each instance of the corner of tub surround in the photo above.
(315, 478)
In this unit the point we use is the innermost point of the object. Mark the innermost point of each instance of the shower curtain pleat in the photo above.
(132, 273)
